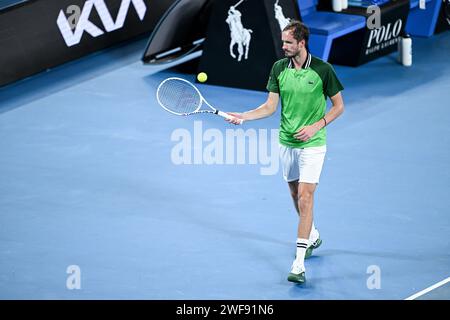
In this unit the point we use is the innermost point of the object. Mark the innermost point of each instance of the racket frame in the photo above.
(202, 100)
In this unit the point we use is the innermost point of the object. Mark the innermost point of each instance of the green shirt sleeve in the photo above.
(272, 84)
(331, 83)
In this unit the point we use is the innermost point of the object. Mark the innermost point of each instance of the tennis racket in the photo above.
(181, 97)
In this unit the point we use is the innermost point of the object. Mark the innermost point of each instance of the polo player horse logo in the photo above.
(239, 35)
(279, 15)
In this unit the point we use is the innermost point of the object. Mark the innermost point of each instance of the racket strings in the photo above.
(179, 96)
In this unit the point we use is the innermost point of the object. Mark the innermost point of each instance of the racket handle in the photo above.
(227, 116)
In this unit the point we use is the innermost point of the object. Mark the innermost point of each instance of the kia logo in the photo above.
(72, 33)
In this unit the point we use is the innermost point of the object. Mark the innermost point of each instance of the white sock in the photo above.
(314, 234)
(302, 244)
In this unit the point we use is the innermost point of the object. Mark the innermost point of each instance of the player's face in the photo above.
(291, 47)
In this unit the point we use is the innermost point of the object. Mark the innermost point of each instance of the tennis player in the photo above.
(303, 82)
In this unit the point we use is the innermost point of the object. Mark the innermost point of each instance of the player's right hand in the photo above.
(237, 118)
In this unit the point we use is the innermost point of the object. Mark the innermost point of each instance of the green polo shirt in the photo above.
(303, 97)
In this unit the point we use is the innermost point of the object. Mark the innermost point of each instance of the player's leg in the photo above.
(310, 167)
(305, 203)
(293, 188)
(311, 164)
(314, 237)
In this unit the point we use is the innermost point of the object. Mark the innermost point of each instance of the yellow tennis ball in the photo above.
(202, 77)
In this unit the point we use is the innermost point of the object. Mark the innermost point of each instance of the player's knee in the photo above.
(305, 199)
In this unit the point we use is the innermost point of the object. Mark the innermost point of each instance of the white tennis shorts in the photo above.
(302, 164)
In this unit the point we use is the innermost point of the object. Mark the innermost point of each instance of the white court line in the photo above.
(418, 294)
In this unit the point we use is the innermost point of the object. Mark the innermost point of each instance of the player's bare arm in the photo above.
(263, 111)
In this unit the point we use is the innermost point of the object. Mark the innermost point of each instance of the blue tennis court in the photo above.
(96, 176)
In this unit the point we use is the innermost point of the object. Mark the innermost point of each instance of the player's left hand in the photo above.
(306, 133)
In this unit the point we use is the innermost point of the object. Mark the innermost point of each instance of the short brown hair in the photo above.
(299, 30)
